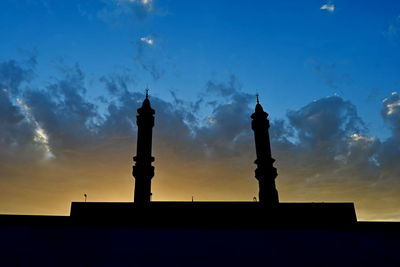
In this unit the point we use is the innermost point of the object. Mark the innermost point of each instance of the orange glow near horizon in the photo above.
(175, 180)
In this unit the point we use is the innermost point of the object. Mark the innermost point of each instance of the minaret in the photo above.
(142, 170)
(265, 172)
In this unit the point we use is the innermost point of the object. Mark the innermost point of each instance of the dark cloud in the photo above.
(63, 110)
(324, 141)
(325, 121)
(390, 149)
(227, 130)
(391, 113)
(323, 151)
(17, 133)
(12, 75)
(10, 114)
(280, 132)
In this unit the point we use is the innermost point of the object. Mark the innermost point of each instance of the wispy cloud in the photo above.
(328, 7)
(151, 56)
(148, 4)
(40, 136)
(148, 40)
(116, 10)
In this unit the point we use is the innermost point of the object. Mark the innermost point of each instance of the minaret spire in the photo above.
(265, 172)
(143, 171)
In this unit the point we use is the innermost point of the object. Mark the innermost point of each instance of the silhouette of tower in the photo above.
(265, 172)
(143, 171)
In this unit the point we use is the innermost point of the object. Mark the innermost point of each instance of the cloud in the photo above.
(389, 152)
(323, 150)
(328, 7)
(147, 40)
(116, 11)
(12, 75)
(325, 120)
(40, 136)
(17, 133)
(138, 7)
(322, 133)
(151, 57)
(391, 113)
(63, 112)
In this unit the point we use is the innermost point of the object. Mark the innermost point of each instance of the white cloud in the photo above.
(40, 135)
(328, 7)
(143, 2)
(392, 104)
(148, 4)
(393, 107)
(116, 10)
(359, 137)
(147, 40)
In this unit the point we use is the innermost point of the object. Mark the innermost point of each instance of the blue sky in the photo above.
(291, 52)
(74, 72)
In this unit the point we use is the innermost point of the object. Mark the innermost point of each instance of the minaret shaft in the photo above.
(143, 171)
(263, 147)
(144, 141)
(265, 172)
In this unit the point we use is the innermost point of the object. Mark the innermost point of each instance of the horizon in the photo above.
(73, 74)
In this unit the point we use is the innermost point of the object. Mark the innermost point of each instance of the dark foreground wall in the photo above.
(54, 241)
(213, 214)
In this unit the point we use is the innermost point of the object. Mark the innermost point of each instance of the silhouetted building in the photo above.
(265, 172)
(267, 212)
(143, 171)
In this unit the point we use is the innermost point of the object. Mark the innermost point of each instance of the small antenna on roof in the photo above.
(85, 197)
(147, 92)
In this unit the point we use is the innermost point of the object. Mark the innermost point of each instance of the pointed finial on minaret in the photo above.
(257, 95)
(147, 92)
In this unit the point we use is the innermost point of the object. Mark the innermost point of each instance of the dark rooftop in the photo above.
(214, 214)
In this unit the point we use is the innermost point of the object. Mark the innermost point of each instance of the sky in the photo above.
(73, 73)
